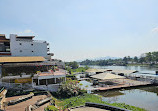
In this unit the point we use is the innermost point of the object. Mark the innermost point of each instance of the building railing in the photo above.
(39, 41)
(52, 87)
(15, 85)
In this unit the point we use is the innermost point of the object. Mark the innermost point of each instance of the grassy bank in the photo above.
(82, 99)
(79, 69)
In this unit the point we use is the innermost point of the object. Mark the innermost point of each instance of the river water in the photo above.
(144, 97)
(138, 68)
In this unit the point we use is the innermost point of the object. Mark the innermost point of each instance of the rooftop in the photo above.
(25, 36)
(51, 73)
(107, 76)
(21, 59)
(97, 70)
(2, 35)
(3, 38)
(126, 72)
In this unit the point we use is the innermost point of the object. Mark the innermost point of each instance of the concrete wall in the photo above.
(52, 87)
(27, 47)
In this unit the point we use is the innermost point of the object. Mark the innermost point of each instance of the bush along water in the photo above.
(65, 103)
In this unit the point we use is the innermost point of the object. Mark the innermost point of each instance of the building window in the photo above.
(20, 50)
(32, 44)
(20, 43)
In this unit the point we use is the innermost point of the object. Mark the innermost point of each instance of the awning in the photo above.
(125, 72)
(21, 59)
(107, 76)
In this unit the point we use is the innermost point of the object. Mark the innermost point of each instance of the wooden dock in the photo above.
(124, 83)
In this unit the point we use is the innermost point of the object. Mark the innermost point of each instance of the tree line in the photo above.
(150, 58)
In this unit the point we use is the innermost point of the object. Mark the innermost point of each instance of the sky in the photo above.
(85, 29)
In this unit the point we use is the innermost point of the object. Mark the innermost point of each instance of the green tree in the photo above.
(128, 58)
(73, 64)
(125, 59)
(86, 67)
(135, 59)
(148, 57)
(155, 56)
(141, 60)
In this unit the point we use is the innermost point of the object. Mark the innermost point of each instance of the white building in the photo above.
(24, 46)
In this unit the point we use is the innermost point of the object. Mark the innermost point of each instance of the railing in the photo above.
(21, 99)
(15, 85)
(43, 101)
(39, 41)
(143, 79)
(52, 87)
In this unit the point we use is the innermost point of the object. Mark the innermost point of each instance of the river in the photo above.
(144, 97)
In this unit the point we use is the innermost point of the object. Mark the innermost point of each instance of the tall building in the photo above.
(24, 46)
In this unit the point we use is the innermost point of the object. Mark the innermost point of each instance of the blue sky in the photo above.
(80, 29)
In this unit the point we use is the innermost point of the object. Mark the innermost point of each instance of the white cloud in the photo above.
(155, 30)
(27, 31)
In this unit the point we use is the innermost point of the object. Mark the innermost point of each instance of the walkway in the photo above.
(88, 109)
(21, 106)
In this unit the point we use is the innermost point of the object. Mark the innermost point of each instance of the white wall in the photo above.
(25, 49)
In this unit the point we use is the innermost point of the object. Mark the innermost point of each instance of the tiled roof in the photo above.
(2, 35)
(21, 59)
(56, 73)
(107, 76)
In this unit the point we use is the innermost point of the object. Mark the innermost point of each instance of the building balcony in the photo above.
(37, 41)
(51, 54)
(5, 53)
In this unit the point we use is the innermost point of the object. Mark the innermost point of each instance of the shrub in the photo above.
(69, 89)
(51, 108)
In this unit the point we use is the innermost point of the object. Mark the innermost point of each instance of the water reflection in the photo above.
(138, 68)
(144, 97)
(111, 93)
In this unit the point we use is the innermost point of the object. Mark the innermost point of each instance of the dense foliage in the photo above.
(79, 69)
(51, 108)
(150, 58)
(82, 99)
(73, 65)
(69, 89)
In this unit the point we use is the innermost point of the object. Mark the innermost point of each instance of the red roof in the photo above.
(56, 73)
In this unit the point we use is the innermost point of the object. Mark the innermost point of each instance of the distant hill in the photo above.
(101, 58)
(105, 58)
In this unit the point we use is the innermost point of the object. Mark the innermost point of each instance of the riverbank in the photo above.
(144, 97)
(82, 99)
(145, 65)
(130, 64)
(79, 69)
